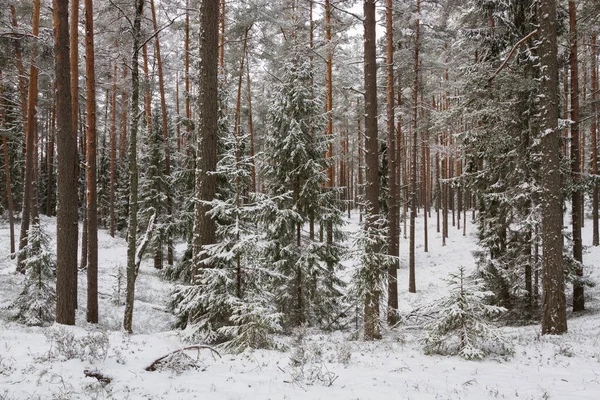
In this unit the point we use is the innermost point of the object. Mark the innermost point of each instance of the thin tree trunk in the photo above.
(9, 199)
(254, 187)
(50, 155)
(123, 136)
(188, 112)
(329, 112)
(578, 295)
(393, 206)
(29, 140)
(20, 68)
(594, 139)
(92, 206)
(554, 318)
(163, 106)
(66, 212)
(133, 171)
(113, 153)
(413, 176)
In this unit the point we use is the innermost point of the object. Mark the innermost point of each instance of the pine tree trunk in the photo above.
(554, 319)
(360, 163)
(20, 69)
(413, 176)
(9, 199)
(393, 198)
(29, 141)
(163, 106)
(578, 295)
(329, 112)
(206, 158)
(594, 139)
(254, 187)
(113, 153)
(123, 136)
(92, 206)
(133, 170)
(51, 190)
(66, 212)
(371, 317)
(188, 111)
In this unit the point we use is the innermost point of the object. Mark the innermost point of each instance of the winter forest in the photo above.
(299, 199)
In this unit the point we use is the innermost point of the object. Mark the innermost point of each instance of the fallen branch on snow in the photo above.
(94, 373)
(157, 362)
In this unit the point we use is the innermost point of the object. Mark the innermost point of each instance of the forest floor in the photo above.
(49, 363)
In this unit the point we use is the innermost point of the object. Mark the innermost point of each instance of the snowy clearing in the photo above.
(34, 364)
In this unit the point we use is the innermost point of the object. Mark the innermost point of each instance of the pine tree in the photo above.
(460, 325)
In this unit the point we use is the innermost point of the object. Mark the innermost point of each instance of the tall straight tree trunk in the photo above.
(360, 162)
(113, 153)
(163, 106)
(413, 176)
(221, 21)
(393, 198)
(206, 157)
(132, 264)
(578, 295)
(371, 310)
(424, 161)
(177, 110)
(74, 49)
(50, 155)
(188, 111)
(554, 317)
(9, 199)
(254, 187)
(66, 212)
(329, 112)
(92, 204)
(594, 138)
(147, 91)
(29, 141)
(123, 136)
(20, 68)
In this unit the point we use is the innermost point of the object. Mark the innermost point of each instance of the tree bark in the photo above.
(29, 140)
(554, 318)
(371, 317)
(66, 213)
(163, 106)
(578, 295)
(413, 176)
(393, 198)
(254, 187)
(92, 205)
(133, 170)
(594, 138)
(206, 157)
(113, 153)
(9, 199)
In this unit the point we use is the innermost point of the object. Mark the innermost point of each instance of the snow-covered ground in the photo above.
(33, 364)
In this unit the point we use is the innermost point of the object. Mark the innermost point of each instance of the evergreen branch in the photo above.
(510, 54)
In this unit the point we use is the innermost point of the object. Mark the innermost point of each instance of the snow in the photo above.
(335, 365)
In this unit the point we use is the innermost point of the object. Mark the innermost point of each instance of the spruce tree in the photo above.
(294, 173)
(461, 324)
(36, 304)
